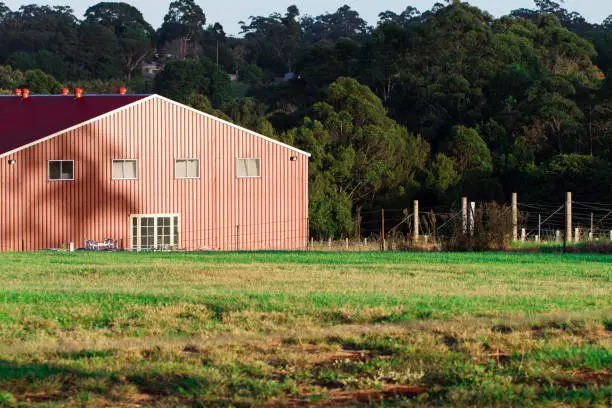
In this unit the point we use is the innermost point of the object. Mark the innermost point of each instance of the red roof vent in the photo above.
(78, 93)
(25, 93)
(17, 92)
(122, 91)
(64, 91)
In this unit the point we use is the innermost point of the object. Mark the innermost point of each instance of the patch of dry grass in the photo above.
(305, 329)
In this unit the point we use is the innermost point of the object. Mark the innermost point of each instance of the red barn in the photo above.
(145, 171)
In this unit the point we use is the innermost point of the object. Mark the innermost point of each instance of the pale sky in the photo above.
(230, 12)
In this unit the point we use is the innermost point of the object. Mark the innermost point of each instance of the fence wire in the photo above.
(395, 228)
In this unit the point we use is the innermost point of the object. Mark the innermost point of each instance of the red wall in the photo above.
(218, 210)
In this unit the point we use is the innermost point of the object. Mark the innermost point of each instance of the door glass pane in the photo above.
(134, 232)
(163, 231)
(176, 227)
(147, 232)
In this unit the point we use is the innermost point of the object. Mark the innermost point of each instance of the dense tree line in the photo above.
(430, 105)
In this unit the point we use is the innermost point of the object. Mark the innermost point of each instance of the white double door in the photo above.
(154, 231)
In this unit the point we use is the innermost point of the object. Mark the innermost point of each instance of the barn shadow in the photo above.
(79, 203)
(60, 383)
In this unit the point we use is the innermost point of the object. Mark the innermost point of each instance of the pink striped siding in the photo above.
(218, 210)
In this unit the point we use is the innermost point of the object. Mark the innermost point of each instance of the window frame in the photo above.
(248, 158)
(186, 159)
(59, 161)
(175, 231)
(124, 160)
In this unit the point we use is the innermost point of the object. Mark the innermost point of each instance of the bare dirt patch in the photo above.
(351, 397)
(37, 398)
(350, 355)
(585, 378)
(499, 357)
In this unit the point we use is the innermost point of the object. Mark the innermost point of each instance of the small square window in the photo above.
(61, 170)
(248, 168)
(187, 168)
(124, 169)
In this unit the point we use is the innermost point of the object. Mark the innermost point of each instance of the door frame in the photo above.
(175, 222)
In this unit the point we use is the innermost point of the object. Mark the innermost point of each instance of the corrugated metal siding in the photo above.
(218, 210)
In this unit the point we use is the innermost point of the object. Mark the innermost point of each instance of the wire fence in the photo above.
(427, 228)
(435, 226)
(550, 222)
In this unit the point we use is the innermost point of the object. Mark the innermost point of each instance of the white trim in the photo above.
(124, 160)
(78, 125)
(225, 122)
(156, 215)
(59, 179)
(248, 158)
(186, 159)
(147, 98)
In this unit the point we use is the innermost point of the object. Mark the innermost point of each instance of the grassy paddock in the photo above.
(160, 329)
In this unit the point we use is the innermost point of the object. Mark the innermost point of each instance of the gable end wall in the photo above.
(218, 210)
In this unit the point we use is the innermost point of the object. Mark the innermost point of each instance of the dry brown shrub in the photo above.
(491, 230)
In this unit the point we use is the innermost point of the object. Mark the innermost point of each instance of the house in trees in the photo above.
(145, 171)
(150, 69)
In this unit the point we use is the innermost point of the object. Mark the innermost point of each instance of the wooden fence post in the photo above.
(416, 221)
(514, 217)
(577, 235)
(464, 214)
(472, 218)
(568, 216)
(358, 221)
(383, 230)
(433, 221)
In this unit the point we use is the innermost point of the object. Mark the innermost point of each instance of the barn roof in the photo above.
(24, 122)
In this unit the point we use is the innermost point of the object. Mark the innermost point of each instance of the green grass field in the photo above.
(293, 329)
